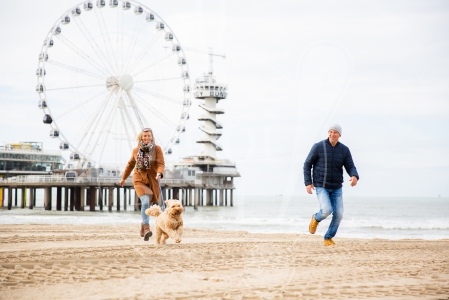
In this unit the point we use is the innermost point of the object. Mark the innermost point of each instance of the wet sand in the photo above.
(113, 262)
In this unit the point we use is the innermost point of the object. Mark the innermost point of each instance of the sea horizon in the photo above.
(390, 218)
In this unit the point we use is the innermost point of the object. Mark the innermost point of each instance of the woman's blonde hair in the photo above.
(139, 136)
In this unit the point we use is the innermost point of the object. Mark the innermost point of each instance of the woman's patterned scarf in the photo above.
(144, 155)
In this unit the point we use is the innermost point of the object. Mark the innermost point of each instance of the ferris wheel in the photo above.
(105, 72)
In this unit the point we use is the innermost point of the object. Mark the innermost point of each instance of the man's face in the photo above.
(334, 135)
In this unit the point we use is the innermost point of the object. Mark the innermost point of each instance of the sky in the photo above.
(380, 69)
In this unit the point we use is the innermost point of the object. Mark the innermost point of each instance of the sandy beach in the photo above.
(113, 262)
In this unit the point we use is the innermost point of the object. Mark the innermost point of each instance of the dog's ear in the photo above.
(166, 202)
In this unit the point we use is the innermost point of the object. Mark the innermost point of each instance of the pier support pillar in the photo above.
(175, 193)
(137, 204)
(9, 198)
(118, 199)
(100, 197)
(110, 199)
(232, 198)
(197, 198)
(31, 201)
(81, 197)
(77, 198)
(209, 196)
(125, 198)
(66, 199)
(58, 198)
(92, 197)
(72, 199)
(47, 198)
(221, 197)
(23, 198)
(190, 197)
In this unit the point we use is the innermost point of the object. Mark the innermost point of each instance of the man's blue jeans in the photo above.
(331, 202)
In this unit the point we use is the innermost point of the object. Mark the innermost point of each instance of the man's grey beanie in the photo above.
(336, 127)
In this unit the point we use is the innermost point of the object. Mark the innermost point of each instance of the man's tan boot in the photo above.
(313, 225)
(141, 230)
(329, 242)
(146, 232)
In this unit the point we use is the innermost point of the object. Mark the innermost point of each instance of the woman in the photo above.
(147, 160)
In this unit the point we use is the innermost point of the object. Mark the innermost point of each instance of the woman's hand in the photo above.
(158, 176)
(122, 182)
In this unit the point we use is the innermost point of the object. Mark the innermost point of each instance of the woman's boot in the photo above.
(141, 230)
(146, 232)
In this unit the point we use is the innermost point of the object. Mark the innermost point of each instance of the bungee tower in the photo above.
(214, 184)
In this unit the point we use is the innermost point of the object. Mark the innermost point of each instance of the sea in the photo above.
(391, 218)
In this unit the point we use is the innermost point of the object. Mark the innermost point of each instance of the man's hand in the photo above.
(353, 180)
(122, 182)
(309, 188)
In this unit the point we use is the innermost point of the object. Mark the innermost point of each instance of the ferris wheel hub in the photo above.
(126, 82)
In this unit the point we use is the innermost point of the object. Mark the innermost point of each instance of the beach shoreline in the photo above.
(113, 262)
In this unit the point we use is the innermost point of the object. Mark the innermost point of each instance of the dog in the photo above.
(168, 223)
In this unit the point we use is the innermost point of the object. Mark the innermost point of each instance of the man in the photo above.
(327, 158)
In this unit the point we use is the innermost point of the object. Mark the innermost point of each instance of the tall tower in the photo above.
(207, 89)
(214, 177)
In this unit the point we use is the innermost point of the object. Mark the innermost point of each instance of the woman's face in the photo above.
(147, 137)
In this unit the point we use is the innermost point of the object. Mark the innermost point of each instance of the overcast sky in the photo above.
(380, 69)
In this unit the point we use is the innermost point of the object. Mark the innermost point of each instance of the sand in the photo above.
(113, 262)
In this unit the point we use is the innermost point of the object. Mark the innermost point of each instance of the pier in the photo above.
(97, 193)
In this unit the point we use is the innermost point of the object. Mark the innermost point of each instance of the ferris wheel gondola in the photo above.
(104, 73)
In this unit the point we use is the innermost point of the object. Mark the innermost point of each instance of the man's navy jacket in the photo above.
(327, 163)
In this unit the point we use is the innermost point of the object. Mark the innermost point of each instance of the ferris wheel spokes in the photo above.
(59, 64)
(102, 69)
(156, 113)
(98, 50)
(153, 64)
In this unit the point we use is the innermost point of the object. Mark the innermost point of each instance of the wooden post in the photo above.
(9, 198)
(92, 193)
(118, 199)
(77, 198)
(100, 197)
(15, 197)
(125, 199)
(31, 202)
(47, 198)
(221, 197)
(110, 198)
(175, 193)
(72, 199)
(34, 197)
(136, 202)
(197, 198)
(58, 198)
(23, 198)
(66, 199)
(81, 197)
(232, 197)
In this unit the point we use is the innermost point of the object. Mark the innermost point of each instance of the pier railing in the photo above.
(110, 180)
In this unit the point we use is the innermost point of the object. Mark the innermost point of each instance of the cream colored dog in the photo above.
(168, 223)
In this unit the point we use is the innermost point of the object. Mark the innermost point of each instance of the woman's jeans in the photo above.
(145, 203)
(331, 202)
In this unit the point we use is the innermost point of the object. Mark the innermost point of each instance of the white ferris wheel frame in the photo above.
(186, 101)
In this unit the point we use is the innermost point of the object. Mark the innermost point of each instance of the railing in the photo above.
(61, 179)
(34, 151)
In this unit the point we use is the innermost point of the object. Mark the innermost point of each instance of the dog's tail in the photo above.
(153, 211)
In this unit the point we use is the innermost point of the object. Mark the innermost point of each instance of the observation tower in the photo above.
(216, 175)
